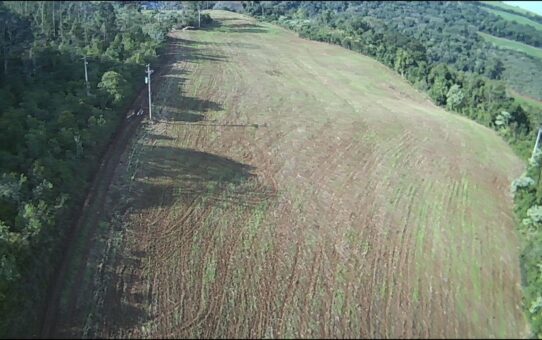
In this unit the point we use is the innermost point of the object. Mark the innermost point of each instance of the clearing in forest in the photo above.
(291, 188)
(513, 45)
(520, 19)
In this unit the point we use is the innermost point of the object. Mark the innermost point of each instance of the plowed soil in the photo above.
(290, 188)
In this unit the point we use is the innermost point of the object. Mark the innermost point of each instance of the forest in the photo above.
(435, 46)
(52, 132)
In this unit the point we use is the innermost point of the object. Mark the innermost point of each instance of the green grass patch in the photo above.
(526, 101)
(502, 5)
(513, 45)
(514, 17)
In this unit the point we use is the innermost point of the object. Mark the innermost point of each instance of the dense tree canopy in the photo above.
(52, 134)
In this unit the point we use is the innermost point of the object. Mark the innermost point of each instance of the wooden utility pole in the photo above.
(85, 62)
(148, 81)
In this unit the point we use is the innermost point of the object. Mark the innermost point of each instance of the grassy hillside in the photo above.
(523, 69)
(291, 188)
(525, 100)
(513, 45)
(522, 73)
(513, 17)
(502, 5)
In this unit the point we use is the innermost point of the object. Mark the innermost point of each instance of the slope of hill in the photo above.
(523, 70)
(291, 188)
(515, 17)
(445, 31)
(511, 9)
(514, 45)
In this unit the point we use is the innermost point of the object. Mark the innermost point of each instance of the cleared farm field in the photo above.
(513, 45)
(291, 188)
(514, 17)
(502, 5)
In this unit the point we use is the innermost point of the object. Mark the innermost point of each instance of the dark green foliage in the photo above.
(528, 200)
(447, 59)
(52, 135)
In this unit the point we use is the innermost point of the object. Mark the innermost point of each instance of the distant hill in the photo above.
(515, 17)
(510, 8)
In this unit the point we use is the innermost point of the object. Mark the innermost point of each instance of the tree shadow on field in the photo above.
(234, 27)
(194, 44)
(123, 309)
(170, 102)
(121, 314)
(169, 177)
(174, 106)
(187, 42)
(245, 25)
(212, 25)
(186, 109)
(191, 50)
(243, 30)
(240, 45)
(187, 117)
(165, 176)
(175, 174)
(228, 19)
(200, 105)
(160, 137)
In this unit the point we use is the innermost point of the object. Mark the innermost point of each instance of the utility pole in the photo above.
(148, 81)
(199, 15)
(85, 62)
(536, 143)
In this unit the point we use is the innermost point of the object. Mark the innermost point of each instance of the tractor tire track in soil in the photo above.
(292, 188)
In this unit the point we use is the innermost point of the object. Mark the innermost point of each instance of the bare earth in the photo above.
(291, 188)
